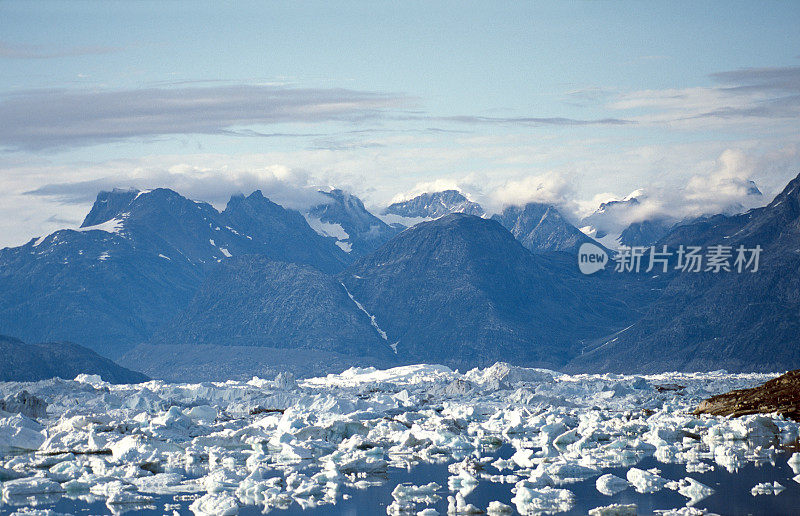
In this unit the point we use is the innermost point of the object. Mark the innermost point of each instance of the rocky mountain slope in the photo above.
(435, 204)
(541, 228)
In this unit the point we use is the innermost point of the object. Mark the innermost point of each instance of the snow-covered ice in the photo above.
(273, 443)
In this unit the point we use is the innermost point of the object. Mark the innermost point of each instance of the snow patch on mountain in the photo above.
(114, 226)
(372, 319)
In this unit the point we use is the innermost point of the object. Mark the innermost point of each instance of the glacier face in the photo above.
(219, 447)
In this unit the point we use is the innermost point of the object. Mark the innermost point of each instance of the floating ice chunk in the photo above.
(499, 509)
(765, 488)
(457, 505)
(24, 403)
(530, 499)
(615, 509)
(698, 467)
(683, 511)
(160, 483)
(464, 483)
(407, 497)
(91, 379)
(202, 413)
(794, 463)
(692, 489)
(610, 485)
(568, 473)
(285, 381)
(428, 512)
(503, 464)
(502, 376)
(30, 486)
(420, 494)
(525, 458)
(123, 497)
(220, 504)
(21, 433)
(729, 458)
(645, 481)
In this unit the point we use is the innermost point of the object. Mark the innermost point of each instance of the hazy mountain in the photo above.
(434, 205)
(461, 290)
(344, 217)
(23, 362)
(541, 228)
(737, 321)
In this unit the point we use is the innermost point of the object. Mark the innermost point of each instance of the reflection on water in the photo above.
(765, 463)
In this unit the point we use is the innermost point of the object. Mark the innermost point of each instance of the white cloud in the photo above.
(550, 188)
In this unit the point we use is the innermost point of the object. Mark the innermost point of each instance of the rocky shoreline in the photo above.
(780, 395)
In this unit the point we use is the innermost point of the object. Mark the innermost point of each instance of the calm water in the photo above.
(732, 496)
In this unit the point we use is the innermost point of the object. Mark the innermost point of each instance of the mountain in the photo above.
(462, 291)
(632, 222)
(645, 233)
(252, 301)
(344, 217)
(21, 362)
(610, 220)
(747, 321)
(541, 228)
(262, 227)
(435, 205)
(137, 259)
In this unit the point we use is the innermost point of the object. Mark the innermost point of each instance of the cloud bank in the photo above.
(52, 118)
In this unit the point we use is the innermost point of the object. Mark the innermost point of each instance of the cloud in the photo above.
(725, 189)
(289, 187)
(52, 118)
(786, 78)
(437, 185)
(12, 51)
(548, 188)
(531, 121)
(769, 93)
(724, 186)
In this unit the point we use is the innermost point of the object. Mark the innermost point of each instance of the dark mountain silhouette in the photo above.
(22, 362)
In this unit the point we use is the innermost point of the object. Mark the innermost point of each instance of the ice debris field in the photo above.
(281, 445)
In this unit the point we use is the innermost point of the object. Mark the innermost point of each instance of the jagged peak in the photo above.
(790, 193)
(109, 204)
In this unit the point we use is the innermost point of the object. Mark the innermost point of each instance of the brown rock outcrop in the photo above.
(781, 395)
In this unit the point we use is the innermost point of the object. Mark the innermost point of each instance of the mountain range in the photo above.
(180, 290)
(747, 321)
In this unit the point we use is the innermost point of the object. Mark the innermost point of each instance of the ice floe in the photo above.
(219, 446)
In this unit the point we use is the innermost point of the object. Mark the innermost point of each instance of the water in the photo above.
(732, 493)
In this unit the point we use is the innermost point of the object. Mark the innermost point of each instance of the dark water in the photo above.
(732, 493)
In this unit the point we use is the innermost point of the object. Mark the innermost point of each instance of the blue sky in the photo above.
(564, 102)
